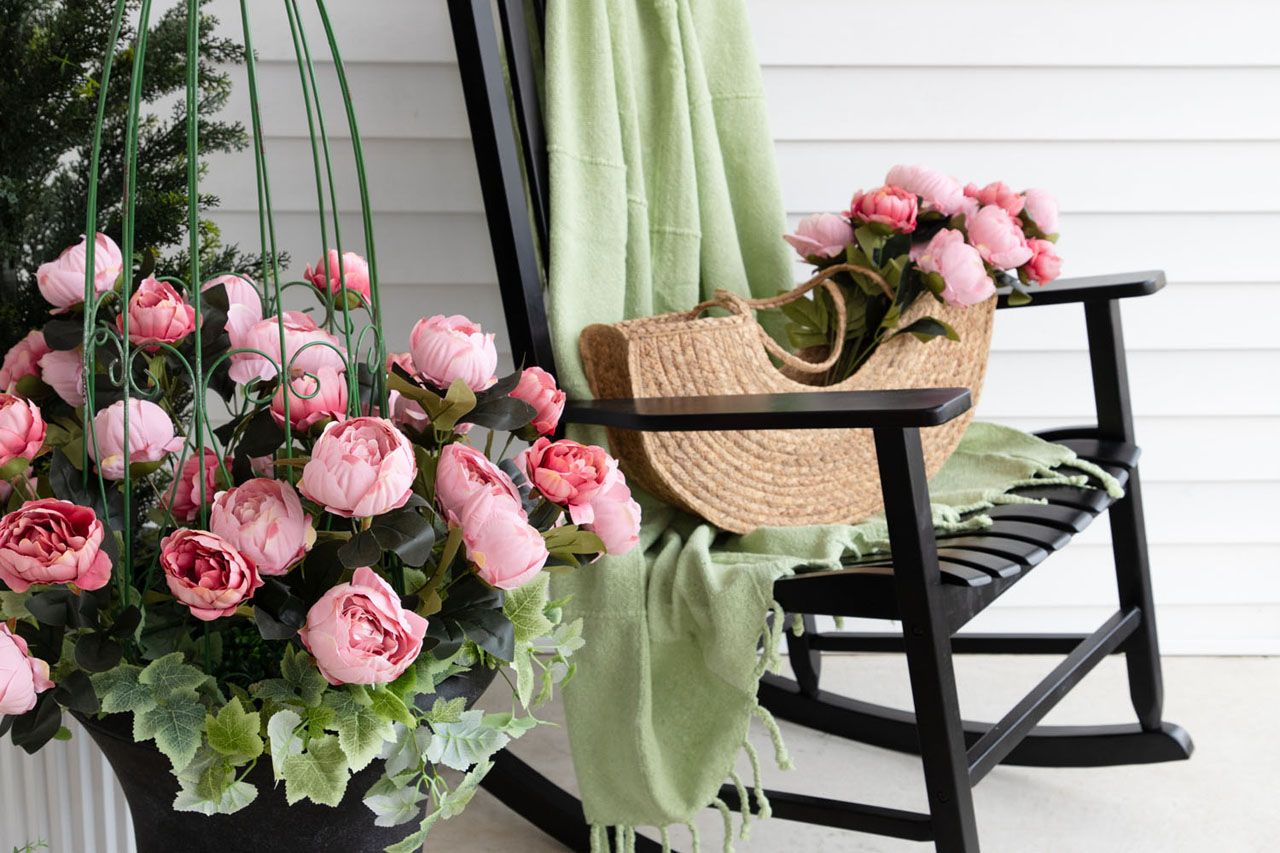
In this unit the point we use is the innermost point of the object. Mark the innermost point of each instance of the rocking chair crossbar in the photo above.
(934, 586)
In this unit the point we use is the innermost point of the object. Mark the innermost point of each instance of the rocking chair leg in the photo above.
(927, 639)
(806, 662)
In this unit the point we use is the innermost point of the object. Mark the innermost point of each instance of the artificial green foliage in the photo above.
(52, 52)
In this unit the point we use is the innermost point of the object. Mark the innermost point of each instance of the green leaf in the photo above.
(446, 710)
(405, 533)
(927, 328)
(389, 706)
(13, 605)
(394, 803)
(232, 799)
(170, 674)
(119, 690)
(524, 607)
(404, 754)
(282, 732)
(524, 674)
(406, 686)
(361, 733)
(175, 723)
(464, 743)
(319, 774)
(458, 401)
(502, 413)
(234, 732)
(473, 612)
(300, 673)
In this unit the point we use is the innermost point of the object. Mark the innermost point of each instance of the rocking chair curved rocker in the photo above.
(933, 587)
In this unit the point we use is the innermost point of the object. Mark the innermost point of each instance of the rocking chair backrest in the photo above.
(496, 59)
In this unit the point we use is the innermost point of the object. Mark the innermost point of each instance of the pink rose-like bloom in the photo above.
(61, 281)
(821, 235)
(48, 541)
(462, 472)
(263, 519)
(997, 237)
(940, 192)
(312, 401)
(63, 371)
(538, 388)
(206, 573)
(1042, 209)
(1045, 265)
(23, 359)
(890, 206)
(616, 515)
(997, 193)
(300, 331)
(150, 437)
(960, 266)
(244, 305)
(21, 429)
(359, 468)
(506, 550)
(21, 675)
(354, 271)
(359, 633)
(567, 473)
(183, 495)
(449, 348)
(157, 314)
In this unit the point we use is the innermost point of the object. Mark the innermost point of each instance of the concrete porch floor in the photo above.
(1226, 799)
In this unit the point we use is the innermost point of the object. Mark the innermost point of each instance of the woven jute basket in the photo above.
(753, 478)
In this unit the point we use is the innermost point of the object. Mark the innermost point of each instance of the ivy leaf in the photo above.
(394, 803)
(319, 774)
(301, 674)
(524, 675)
(524, 607)
(234, 732)
(446, 710)
(361, 732)
(282, 732)
(464, 743)
(232, 799)
(171, 674)
(119, 690)
(389, 706)
(403, 755)
(175, 723)
(452, 803)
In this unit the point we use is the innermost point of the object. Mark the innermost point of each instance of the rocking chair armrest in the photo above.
(921, 407)
(1091, 289)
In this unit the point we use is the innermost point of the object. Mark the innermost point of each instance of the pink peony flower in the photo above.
(1045, 265)
(244, 304)
(997, 237)
(63, 371)
(960, 266)
(821, 235)
(538, 388)
(307, 348)
(48, 541)
(506, 550)
(567, 473)
(206, 573)
(997, 193)
(940, 192)
(616, 515)
(183, 495)
(23, 359)
(21, 675)
(157, 314)
(312, 399)
(359, 633)
(449, 348)
(886, 205)
(61, 281)
(264, 521)
(461, 472)
(353, 271)
(1042, 209)
(360, 467)
(150, 436)
(21, 429)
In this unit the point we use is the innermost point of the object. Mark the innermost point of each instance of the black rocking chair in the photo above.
(933, 587)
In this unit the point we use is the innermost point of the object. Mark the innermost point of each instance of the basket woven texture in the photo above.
(746, 479)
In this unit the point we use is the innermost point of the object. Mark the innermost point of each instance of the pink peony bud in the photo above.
(61, 281)
(360, 467)
(567, 473)
(312, 399)
(538, 388)
(63, 371)
(22, 676)
(244, 304)
(307, 348)
(157, 314)
(940, 192)
(330, 274)
(960, 266)
(997, 193)
(998, 238)
(506, 550)
(359, 633)
(23, 359)
(616, 516)
(449, 348)
(48, 541)
(890, 206)
(1045, 265)
(461, 472)
(821, 235)
(150, 436)
(1042, 209)
(21, 429)
(206, 573)
(264, 521)
(183, 494)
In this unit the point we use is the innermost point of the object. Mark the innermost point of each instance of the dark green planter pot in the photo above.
(268, 823)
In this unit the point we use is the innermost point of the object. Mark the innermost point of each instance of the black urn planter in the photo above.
(268, 823)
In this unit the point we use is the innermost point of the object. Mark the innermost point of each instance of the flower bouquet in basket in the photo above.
(922, 233)
(293, 585)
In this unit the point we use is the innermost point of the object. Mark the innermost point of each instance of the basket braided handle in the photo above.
(736, 304)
